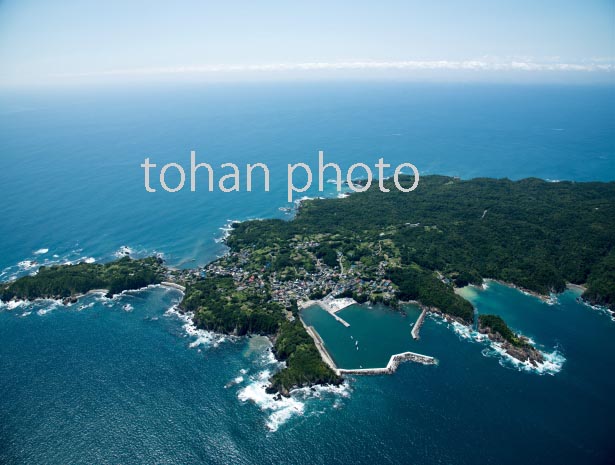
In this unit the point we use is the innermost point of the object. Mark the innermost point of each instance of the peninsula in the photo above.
(387, 247)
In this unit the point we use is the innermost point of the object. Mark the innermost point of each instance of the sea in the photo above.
(130, 380)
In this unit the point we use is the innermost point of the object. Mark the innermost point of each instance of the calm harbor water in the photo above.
(128, 381)
(375, 333)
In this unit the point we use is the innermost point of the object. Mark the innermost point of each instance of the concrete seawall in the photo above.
(341, 320)
(320, 345)
(419, 322)
(391, 367)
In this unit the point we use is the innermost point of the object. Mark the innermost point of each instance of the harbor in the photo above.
(352, 360)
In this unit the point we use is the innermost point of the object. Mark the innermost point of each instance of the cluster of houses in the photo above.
(324, 280)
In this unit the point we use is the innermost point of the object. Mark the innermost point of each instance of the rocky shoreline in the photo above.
(522, 353)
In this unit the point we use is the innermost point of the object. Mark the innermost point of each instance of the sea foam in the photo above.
(552, 364)
(226, 230)
(200, 337)
(280, 409)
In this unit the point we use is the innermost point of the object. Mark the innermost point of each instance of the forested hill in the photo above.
(69, 281)
(535, 234)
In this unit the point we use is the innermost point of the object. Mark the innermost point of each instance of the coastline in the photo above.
(334, 305)
(544, 298)
(576, 287)
(68, 301)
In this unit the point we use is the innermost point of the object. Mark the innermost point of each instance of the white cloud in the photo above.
(463, 65)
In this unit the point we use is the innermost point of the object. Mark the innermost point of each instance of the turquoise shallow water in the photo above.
(113, 383)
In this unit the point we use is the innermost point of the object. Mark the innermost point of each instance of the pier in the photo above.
(419, 322)
(341, 320)
(331, 306)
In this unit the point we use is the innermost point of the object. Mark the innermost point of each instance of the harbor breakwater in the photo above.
(419, 322)
(390, 368)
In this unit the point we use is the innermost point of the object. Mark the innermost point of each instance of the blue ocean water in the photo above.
(128, 381)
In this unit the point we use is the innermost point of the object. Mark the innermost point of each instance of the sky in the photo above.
(69, 42)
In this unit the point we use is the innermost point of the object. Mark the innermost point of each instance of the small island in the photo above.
(68, 282)
(515, 345)
(380, 247)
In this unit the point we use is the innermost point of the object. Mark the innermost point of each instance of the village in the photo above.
(322, 283)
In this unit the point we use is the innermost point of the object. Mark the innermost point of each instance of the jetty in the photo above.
(320, 345)
(391, 367)
(419, 322)
(341, 320)
(332, 306)
(179, 287)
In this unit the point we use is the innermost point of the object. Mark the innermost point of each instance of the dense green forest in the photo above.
(532, 233)
(417, 284)
(497, 325)
(63, 281)
(219, 306)
(304, 366)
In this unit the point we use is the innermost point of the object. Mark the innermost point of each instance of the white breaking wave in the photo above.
(41, 251)
(127, 251)
(280, 409)
(13, 304)
(85, 306)
(226, 230)
(304, 198)
(124, 251)
(552, 364)
(27, 264)
(53, 304)
(600, 308)
(201, 337)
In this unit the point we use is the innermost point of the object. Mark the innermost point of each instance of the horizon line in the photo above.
(596, 65)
